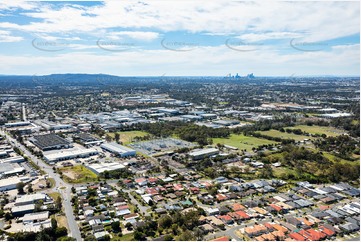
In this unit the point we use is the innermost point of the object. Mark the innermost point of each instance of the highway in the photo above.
(65, 193)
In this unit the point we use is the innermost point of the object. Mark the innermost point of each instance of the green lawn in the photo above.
(127, 137)
(54, 195)
(284, 135)
(243, 142)
(315, 129)
(78, 174)
(126, 237)
(332, 158)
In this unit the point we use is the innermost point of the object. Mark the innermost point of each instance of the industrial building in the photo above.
(50, 142)
(62, 155)
(98, 168)
(119, 150)
(17, 124)
(87, 139)
(201, 154)
(18, 211)
(35, 217)
(10, 183)
(31, 199)
(10, 169)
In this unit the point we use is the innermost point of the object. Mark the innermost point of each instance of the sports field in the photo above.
(243, 142)
(315, 129)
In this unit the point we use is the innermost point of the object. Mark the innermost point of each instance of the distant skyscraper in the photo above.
(23, 112)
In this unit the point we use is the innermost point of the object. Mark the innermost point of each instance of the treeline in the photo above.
(277, 139)
(342, 146)
(348, 124)
(265, 125)
(116, 174)
(317, 168)
(190, 132)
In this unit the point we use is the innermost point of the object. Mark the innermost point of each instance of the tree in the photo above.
(129, 226)
(186, 236)
(165, 221)
(20, 186)
(30, 188)
(117, 137)
(8, 216)
(116, 227)
(73, 190)
(58, 204)
(54, 223)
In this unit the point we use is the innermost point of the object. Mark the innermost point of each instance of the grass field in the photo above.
(78, 174)
(126, 237)
(127, 137)
(333, 158)
(243, 142)
(314, 129)
(284, 135)
(54, 195)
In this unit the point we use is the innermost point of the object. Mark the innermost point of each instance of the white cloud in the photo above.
(136, 35)
(5, 36)
(336, 19)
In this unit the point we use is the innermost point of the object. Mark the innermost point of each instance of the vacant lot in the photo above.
(314, 129)
(284, 135)
(78, 174)
(127, 137)
(243, 142)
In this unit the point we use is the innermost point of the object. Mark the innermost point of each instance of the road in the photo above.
(65, 193)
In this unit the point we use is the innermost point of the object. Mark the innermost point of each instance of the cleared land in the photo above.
(243, 142)
(315, 129)
(127, 137)
(284, 135)
(78, 174)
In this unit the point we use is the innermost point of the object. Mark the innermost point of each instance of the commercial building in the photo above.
(13, 159)
(69, 154)
(35, 217)
(87, 139)
(18, 211)
(31, 199)
(50, 142)
(17, 124)
(119, 150)
(10, 183)
(200, 154)
(10, 169)
(98, 168)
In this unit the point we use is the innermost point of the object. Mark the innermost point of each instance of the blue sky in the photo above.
(140, 38)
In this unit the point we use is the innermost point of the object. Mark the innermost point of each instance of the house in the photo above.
(297, 236)
(349, 227)
(329, 233)
(312, 234)
(224, 238)
(226, 219)
(255, 230)
(207, 228)
(237, 207)
(216, 222)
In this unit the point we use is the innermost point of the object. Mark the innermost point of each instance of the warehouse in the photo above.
(35, 217)
(117, 149)
(98, 168)
(87, 139)
(10, 169)
(13, 159)
(69, 154)
(18, 211)
(200, 154)
(31, 198)
(50, 142)
(10, 183)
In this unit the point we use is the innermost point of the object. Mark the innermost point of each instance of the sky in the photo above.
(180, 38)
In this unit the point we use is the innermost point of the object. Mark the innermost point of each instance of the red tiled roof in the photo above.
(297, 236)
(224, 238)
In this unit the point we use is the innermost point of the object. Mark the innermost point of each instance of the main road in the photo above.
(59, 183)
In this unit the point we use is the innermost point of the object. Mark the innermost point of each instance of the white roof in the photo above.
(117, 147)
(203, 151)
(30, 197)
(51, 156)
(36, 216)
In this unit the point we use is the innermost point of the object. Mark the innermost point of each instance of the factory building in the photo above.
(118, 150)
(201, 154)
(69, 154)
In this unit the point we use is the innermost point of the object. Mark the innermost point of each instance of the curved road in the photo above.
(65, 193)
